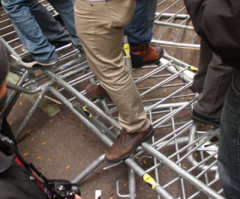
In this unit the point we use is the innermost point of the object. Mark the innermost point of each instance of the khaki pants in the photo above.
(99, 26)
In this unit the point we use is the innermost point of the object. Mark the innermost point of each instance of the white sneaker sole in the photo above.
(31, 64)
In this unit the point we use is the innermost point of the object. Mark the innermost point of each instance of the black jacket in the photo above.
(218, 22)
(15, 180)
(15, 183)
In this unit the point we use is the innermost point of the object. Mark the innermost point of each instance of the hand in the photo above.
(77, 197)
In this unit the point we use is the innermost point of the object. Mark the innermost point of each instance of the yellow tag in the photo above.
(86, 111)
(193, 68)
(126, 48)
(148, 179)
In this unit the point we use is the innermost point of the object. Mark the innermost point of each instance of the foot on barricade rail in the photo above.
(145, 54)
(96, 91)
(126, 144)
(29, 62)
(205, 120)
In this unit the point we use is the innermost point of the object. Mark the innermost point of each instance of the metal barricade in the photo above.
(180, 161)
(71, 65)
(173, 25)
(187, 156)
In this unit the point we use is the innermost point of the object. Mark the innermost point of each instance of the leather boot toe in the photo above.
(96, 91)
(126, 144)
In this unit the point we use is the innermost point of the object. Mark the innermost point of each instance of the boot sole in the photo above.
(146, 137)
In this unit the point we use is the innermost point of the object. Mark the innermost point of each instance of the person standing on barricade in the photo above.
(211, 82)
(101, 36)
(217, 22)
(39, 31)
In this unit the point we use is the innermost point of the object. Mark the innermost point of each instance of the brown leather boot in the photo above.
(96, 91)
(126, 144)
(144, 54)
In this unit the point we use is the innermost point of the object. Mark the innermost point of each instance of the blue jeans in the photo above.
(36, 26)
(139, 30)
(229, 148)
(65, 10)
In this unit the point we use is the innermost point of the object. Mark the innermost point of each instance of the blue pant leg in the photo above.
(65, 9)
(139, 30)
(28, 29)
(152, 6)
(136, 29)
(229, 148)
(51, 28)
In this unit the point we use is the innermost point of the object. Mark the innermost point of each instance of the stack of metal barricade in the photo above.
(187, 155)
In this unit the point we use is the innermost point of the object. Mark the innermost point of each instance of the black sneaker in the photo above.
(206, 120)
(28, 61)
(60, 44)
(196, 89)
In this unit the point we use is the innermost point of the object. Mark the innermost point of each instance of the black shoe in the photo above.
(28, 61)
(206, 120)
(60, 44)
(196, 89)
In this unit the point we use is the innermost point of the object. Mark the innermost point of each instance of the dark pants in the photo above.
(229, 148)
(211, 81)
(139, 30)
